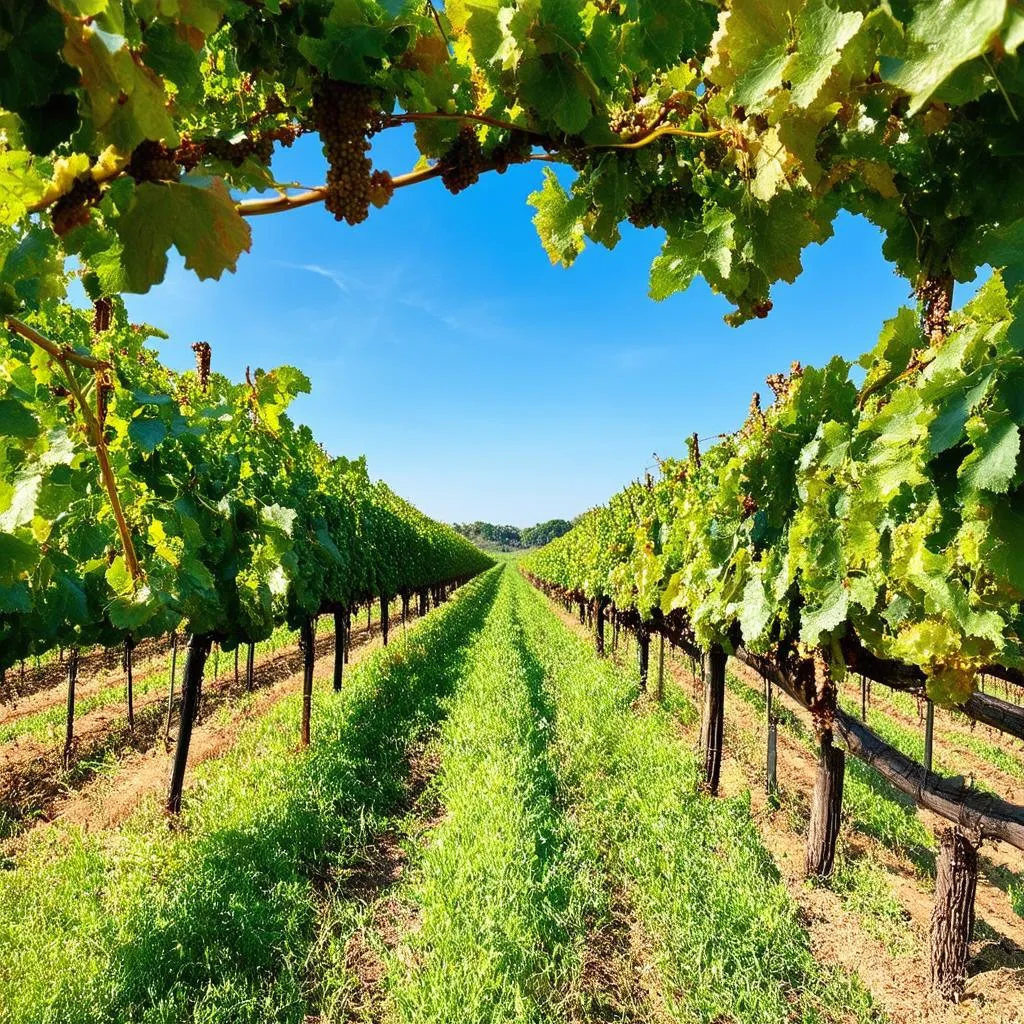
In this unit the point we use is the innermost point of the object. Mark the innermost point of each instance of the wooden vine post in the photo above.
(952, 921)
(827, 801)
(929, 734)
(197, 650)
(129, 647)
(599, 612)
(712, 726)
(601, 604)
(250, 657)
(69, 731)
(660, 692)
(643, 653)
(384, 623)
(771, 766)
(170, 688)
(339, 647)
(423, 602)
(307, 641)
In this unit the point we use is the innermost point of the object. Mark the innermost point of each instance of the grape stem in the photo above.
(259, 207)
(62, 353)
(66, 357)
(494, 122)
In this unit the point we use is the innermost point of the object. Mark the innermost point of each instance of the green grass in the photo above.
(501, 884)
(864, 888)
(725, 935)
(999, 757)
(219, 918)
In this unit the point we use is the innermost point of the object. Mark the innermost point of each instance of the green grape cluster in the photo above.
(345, 116)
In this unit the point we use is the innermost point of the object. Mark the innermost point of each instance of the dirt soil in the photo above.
(34, 787)
(43, 688)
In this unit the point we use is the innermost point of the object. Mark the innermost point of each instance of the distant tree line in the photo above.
(492, 537)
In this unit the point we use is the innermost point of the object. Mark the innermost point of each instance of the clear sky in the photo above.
(480, 381)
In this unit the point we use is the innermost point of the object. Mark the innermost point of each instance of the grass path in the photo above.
(488, 828)
(725, 936)
(221, 918)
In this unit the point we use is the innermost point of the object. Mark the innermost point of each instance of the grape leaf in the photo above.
(992, 466)
(202, 223)
(942, 35)
(705, 250)
(147, 432)
(16, 420)
(558, 220)
(126, 98)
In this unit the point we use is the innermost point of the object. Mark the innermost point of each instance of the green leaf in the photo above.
(118, 577)
(942, 35)
(202, 223)
(279, 517)
(131, 613)
(16, 556)
(992, 466)
(126, 98)
(823, 30)
(831, 612)
(559, 220)
(704, 250)
(16, 420)
(557, 91)
(147, 432)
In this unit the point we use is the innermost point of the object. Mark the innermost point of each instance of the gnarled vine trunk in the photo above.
(953, 914)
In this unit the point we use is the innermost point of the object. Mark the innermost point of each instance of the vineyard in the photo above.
(743, 744)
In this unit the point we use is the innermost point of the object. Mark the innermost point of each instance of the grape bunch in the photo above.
(516, 149)
(664, 204)
(236, 153)
(203, 354)
(72, 209)
(345, 116)
(153, 161)
(462, 163)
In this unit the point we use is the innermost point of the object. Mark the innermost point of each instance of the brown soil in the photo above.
(618, 979)
(899, 982)
(33, 784)
(98, 669)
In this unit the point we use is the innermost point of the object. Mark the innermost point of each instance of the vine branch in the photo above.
(65, 358)
(260, 207)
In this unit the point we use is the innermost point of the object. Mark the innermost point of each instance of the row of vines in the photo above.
(868, 521)
(141, 501)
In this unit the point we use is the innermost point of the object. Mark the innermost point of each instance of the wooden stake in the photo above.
(713, 721)
(69, 732)
(197, 650)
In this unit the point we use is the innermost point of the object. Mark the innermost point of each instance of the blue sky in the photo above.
(482, 382)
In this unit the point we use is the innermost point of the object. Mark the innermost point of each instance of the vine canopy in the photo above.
(131, 127)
